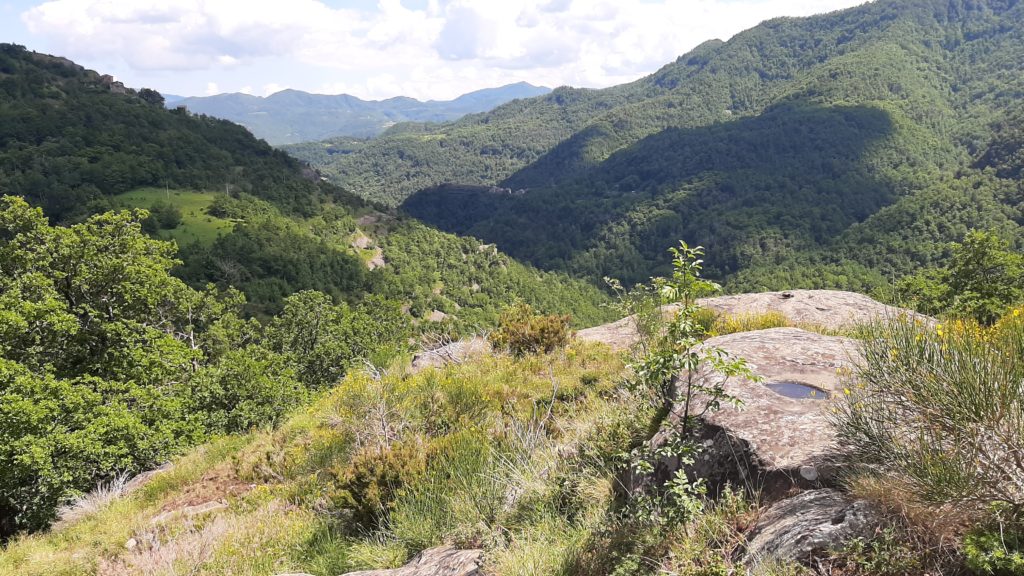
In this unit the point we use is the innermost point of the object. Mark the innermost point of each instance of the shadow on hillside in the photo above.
(794, 177)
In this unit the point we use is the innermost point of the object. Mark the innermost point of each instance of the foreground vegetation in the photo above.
(523, 455)
(109, 365)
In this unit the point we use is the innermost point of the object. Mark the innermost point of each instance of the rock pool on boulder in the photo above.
(772, 442)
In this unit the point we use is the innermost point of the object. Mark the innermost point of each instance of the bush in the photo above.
(937, 413)
(366, 489)
(521, 332)
(984, 278)
(995, 551)
(246, 388)
(162, 216)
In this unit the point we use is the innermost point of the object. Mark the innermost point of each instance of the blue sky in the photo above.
(428, 49)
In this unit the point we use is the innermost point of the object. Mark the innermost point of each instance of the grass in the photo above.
(520, 457)
(932, 421)
(491, 426)
(196, 225)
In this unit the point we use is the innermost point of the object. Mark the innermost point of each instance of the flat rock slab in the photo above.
(772, 440)
(808, 525)
(830, 309)
(618, 335)
(440, 561)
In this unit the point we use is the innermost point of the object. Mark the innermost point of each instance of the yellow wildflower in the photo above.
(846, 391)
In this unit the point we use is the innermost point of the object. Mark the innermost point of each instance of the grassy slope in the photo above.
(196, 225)
(281, 525)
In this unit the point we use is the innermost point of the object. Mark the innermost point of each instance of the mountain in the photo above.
(292, 116)
(838, 150)
(76, 143)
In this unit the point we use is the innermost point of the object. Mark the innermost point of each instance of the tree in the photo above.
(982, 279)
(151, 96)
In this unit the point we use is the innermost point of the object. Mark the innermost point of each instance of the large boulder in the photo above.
(618, 335)
(440, 561)
(780, 437)
(829, 309)
(808, 525)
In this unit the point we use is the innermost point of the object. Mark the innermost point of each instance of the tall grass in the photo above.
(937, 414)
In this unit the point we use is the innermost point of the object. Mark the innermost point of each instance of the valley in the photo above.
(758, 312)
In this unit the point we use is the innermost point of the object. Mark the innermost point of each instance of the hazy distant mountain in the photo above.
(292, 116)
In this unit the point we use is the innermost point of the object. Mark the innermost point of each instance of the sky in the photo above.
(375, 49)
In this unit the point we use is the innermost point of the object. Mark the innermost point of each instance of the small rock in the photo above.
(800, 528)
(809, 473)
(131, 543)
(440, 561)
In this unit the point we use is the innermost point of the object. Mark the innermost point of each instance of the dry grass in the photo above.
(86, 504)
(733, 323)
(181, 554)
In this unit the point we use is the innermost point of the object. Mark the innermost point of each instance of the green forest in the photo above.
(841, 150)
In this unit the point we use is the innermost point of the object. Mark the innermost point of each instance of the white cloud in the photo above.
(212, 88)
(246, 90)
(449, 48)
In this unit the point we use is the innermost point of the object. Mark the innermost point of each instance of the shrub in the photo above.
(521, 332)
(938, 413)
(995, 551)
(162, 216)
(984, 277)
(456, 499)
(365, 489)
(246, 388)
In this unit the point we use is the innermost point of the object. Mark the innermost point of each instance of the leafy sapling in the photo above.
(683, 379)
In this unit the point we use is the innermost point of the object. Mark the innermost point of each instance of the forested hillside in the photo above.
(837, 150)
(70, 139)
(245, 215)
(119, 348)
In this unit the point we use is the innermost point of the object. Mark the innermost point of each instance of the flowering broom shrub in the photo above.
(937, 413)
(522, 332)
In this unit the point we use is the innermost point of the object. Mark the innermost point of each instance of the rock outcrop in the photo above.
(805, 526)
(452, 353)
(440, 561)
(773, 442)
(618, 335)
(829, 309)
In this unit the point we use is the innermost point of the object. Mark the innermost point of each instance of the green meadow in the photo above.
(196, 225)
